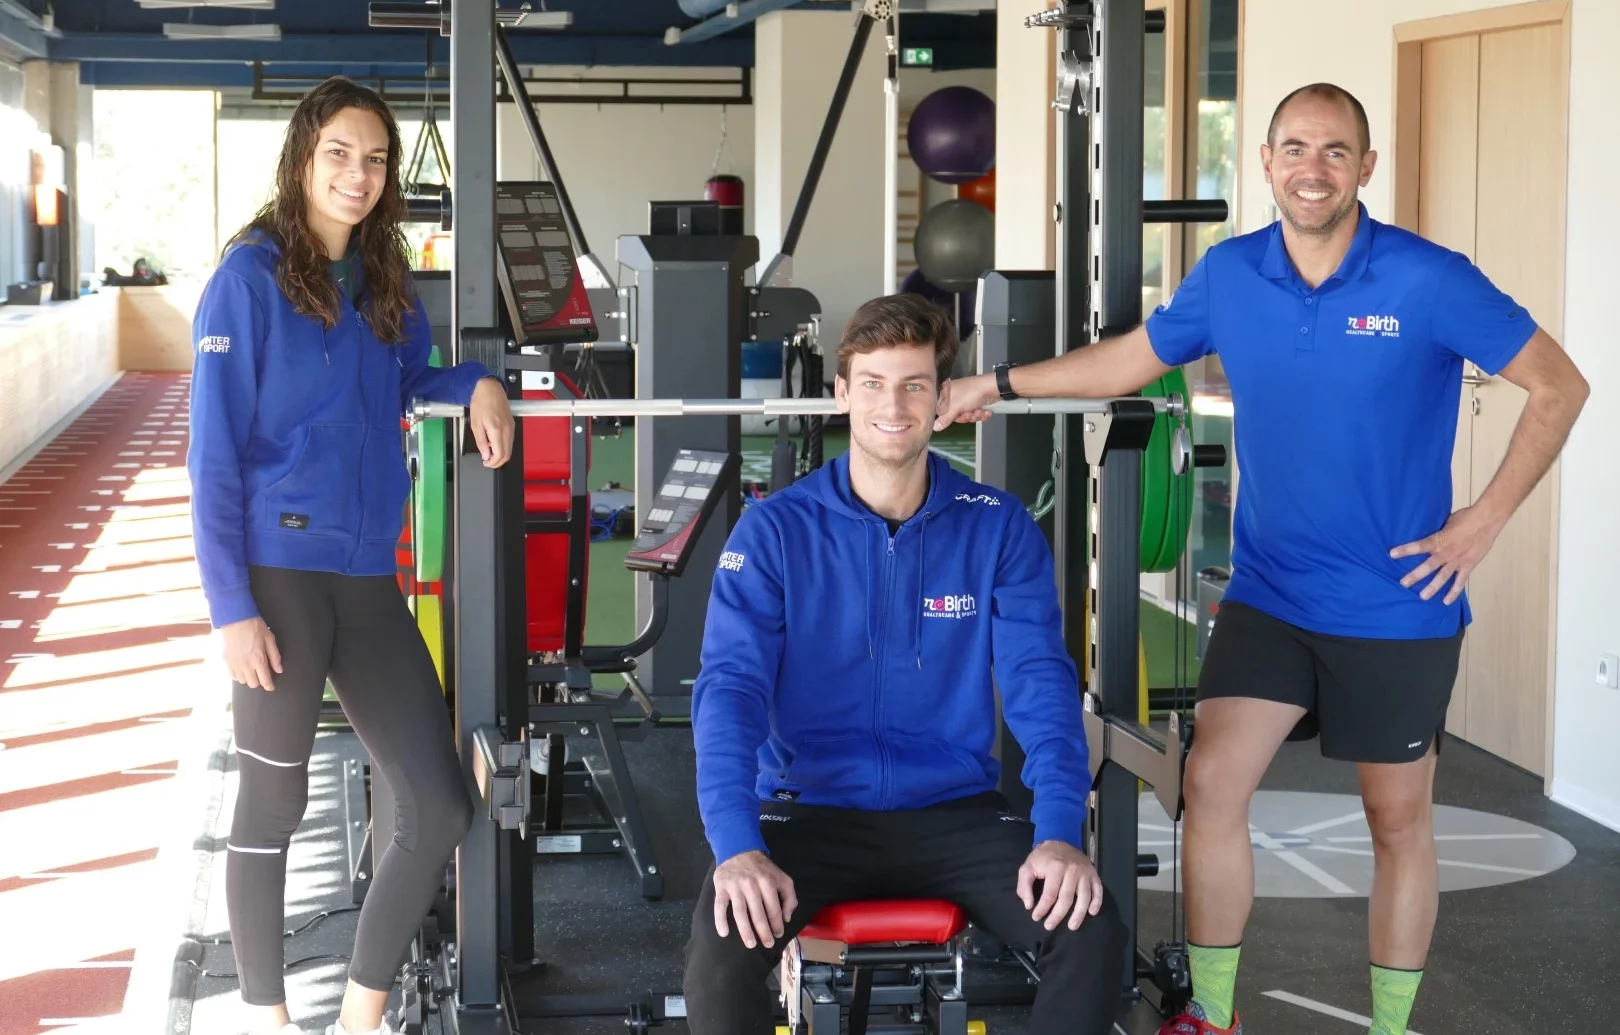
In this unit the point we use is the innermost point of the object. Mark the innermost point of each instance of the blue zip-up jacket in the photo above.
(847, 667)
(296, 456)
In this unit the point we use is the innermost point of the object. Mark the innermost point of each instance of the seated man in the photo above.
(845, 712)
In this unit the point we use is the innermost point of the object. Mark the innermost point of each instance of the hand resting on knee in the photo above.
(759, 894)
(1070, 885)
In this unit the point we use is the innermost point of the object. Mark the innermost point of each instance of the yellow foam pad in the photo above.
(430, 620)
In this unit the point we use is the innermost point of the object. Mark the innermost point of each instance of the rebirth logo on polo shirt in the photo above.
(952, 605)
(1368, 326)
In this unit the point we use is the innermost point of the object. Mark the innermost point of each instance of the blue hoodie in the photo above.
(847, 667)
(296, 456)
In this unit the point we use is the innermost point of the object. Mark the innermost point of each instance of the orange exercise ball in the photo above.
(982, 190)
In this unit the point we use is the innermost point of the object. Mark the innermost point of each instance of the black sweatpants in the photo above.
(360, 632)
(967, 852)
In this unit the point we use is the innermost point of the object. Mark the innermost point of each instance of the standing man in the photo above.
(1343, 339)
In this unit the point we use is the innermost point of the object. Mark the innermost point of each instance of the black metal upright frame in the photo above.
(1100, 214)
(489, 682)
(1098, 294)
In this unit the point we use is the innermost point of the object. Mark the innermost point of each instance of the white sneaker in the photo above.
(337, 1028)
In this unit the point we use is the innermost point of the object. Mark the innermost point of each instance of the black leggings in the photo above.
(359, 632)
(967, 852)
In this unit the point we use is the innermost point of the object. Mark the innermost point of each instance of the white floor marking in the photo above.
(1309, 869)
(1331, 1011)
(1488, 867)
(1450, 837)
(1326, 823)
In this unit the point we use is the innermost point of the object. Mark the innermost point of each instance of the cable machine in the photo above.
(1096, 295)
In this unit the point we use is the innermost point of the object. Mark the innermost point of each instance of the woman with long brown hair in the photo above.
(309, 342)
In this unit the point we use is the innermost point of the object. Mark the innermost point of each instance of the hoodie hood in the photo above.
(830, 487)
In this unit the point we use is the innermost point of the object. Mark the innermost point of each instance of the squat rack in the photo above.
(1100, 215)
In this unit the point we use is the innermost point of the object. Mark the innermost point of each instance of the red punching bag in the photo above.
(728, 191)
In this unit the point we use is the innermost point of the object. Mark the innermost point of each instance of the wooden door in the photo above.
(1491, 185)
(1450, 143)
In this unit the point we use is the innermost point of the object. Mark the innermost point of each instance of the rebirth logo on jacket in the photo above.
(953, 605)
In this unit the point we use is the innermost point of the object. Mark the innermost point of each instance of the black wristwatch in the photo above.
(1004, 382)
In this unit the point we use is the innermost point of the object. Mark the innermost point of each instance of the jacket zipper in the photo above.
(877, 697)
(365, 438)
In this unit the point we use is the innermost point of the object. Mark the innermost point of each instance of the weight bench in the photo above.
(563, 702)
(902, 955)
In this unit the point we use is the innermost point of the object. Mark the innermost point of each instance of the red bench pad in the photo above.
(892, 920)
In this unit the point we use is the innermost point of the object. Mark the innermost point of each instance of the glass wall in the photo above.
(162, 211)
(1213, 59)
(1156, 237)
(20, 138)
(249, 145)
(220, 164)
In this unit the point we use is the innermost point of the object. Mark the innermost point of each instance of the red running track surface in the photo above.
(103, 641)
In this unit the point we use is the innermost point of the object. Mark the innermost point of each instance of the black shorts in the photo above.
(1370, 700)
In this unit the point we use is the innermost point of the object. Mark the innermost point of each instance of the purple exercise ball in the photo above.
(952, 135)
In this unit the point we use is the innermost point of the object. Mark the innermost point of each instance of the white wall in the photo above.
(798, 56)
(615, 158)
(1586, 766)
(1024, 138)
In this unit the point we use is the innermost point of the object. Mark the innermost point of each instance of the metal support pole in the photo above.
(891, 157)
(779, 271)
(1114, 445)
(1071, 306)
(591, 268)
(1116, 116)
(1115, 261)
(481, 635)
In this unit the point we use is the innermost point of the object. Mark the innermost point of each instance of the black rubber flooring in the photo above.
(1534, 957)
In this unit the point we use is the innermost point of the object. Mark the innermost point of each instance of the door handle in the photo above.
(1476, 379)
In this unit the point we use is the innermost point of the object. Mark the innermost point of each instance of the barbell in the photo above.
(1167, 496)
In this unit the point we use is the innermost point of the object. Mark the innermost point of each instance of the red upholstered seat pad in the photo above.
(893, 920)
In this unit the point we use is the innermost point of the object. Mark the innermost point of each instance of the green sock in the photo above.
(1214, 979)
(1393, 993)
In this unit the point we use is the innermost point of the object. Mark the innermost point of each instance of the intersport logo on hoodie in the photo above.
(954, 605)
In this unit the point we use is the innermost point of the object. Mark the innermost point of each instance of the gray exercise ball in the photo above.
(956, 241)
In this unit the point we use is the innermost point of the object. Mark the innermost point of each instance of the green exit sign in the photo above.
(916, 56)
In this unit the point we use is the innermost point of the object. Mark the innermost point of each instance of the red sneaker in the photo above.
(1193, 1021)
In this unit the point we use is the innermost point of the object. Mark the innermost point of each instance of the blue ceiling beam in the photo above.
(167, 75)
(406, 49)
(22, 35)
(717, 25)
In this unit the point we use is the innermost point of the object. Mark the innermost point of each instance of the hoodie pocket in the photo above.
(387, 484)
(842, 764)
(927, 769)
(318, 495)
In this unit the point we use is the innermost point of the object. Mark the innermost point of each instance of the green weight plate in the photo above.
(1178, 490)
(431, 495)
(1155, 482)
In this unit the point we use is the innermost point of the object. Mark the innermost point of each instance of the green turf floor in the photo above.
(610, 604)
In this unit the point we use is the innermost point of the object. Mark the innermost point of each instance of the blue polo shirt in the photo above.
(1345, 402)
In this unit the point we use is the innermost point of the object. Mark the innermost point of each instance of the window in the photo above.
(1213, 155)
(1190, 151)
